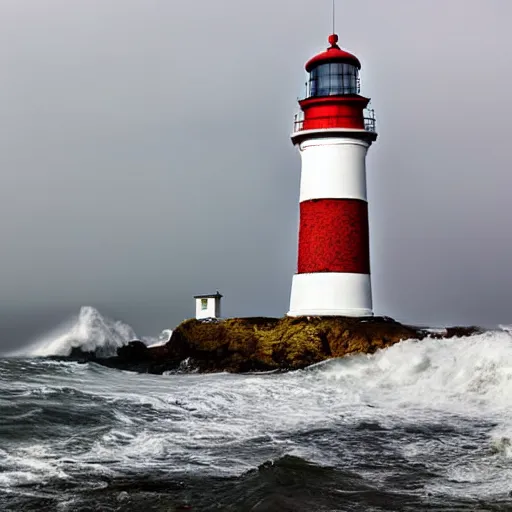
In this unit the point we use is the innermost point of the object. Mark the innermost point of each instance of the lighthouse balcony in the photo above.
(348, 123)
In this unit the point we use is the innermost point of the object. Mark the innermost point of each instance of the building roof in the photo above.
(215, 295)
(333, 54)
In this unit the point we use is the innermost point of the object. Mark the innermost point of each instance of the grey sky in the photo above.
(145, 156)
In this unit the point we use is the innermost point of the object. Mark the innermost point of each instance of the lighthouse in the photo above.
(333, 132)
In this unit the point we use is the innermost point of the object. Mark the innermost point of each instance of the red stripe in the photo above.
(333, 236)
(334, 112)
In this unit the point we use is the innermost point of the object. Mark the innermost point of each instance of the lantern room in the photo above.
(333, 72)
(332, 98)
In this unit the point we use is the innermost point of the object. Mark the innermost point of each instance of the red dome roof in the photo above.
(333, 54)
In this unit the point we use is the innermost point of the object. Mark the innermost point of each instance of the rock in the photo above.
(78, 355)
(158, 353)
(255, 344)
(134, 352)
(266, 344)
(460, 332)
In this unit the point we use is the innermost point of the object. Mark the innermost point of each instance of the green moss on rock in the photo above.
(245, 344)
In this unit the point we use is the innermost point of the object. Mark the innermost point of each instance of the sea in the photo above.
(423, 425)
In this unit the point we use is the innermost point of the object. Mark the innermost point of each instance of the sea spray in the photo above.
(89, 331)
(445, 373)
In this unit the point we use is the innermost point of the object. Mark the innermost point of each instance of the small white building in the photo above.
(208, 306)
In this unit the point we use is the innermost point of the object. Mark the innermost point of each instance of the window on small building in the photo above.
(204, 304)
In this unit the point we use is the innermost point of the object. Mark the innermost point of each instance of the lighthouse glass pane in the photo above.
(334, 78)
(204, 304)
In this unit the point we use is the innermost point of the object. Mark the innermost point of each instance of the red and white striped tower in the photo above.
(333, 132)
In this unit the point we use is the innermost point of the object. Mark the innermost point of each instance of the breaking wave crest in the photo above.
(89, 331)
(450, 373)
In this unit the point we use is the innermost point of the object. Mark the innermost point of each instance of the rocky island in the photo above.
(265, 344)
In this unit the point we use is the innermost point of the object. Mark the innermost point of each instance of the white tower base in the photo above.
(331, 294)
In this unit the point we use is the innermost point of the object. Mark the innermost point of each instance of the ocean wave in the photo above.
(437, 411)
(89, 331)
(476, 369)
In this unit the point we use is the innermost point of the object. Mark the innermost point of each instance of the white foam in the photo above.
(205, 420)
(163, 338)
(89, 331)
(451, 374)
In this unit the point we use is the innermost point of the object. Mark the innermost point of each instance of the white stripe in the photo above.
(333, 168)
(331, 294)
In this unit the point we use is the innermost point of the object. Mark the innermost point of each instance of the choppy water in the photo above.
(420, 426)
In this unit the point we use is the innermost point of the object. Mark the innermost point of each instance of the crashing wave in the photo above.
(434, 372)
(162, 339)
(89, 331)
